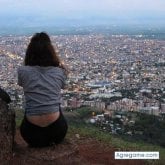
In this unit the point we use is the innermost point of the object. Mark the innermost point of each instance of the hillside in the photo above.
(74, 150)
(83, 145)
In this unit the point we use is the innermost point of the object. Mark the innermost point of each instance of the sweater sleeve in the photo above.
(64, 77)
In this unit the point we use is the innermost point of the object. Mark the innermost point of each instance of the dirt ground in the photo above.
(75, 151)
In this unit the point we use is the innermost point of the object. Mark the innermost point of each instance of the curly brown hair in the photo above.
(41, 52)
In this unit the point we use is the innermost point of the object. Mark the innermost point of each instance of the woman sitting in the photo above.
(42, 78)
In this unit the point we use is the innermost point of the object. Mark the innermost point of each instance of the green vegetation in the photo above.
(121, 143)
(19, 116)
(153, 128)
(86, 112)
(89, 131)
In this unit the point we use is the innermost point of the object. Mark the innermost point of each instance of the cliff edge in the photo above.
(75, 149)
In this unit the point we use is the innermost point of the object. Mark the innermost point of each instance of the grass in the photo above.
(116, 142)
(19, 116)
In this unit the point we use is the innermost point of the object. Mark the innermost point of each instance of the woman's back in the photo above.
(42, 86)
(42, 78)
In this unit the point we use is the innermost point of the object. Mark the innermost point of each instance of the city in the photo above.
(113, 74)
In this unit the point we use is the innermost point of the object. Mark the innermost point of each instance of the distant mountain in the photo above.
(109, 24)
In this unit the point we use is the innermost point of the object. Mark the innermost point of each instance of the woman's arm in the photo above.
(66, 70)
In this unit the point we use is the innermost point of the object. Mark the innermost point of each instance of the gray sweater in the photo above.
(41, 86)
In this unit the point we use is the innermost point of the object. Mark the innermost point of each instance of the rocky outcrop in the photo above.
(7, 131)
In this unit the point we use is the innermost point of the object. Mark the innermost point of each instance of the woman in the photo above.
(42, 78)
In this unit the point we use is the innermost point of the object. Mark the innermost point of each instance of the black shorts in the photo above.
(37, 136)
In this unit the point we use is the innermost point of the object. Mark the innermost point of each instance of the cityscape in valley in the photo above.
(117, 75)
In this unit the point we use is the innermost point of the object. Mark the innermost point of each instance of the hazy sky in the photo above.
(81, 5)
(39, 9)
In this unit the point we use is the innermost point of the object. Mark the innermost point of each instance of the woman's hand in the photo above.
(61, 65)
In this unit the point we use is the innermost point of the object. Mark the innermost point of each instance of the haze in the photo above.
(53, 12)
